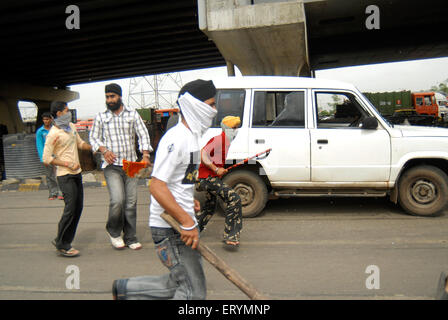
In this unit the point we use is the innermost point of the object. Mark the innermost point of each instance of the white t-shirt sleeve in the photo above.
(167, 158)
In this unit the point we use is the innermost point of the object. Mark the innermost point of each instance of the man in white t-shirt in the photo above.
(172, 189)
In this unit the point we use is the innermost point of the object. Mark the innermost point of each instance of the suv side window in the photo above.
(338, 110)
(229, 103)
(279, 109)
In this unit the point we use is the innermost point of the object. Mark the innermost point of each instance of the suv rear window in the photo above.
(279, 109)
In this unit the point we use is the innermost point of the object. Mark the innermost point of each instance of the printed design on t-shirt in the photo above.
(170, 147)
(192, 169)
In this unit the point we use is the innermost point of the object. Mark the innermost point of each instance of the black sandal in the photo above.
(72, 252)
(231, 245)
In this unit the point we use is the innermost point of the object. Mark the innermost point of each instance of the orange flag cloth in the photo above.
(132, 168)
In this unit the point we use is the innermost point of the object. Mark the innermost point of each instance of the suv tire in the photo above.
(423, 191)
(251, 189)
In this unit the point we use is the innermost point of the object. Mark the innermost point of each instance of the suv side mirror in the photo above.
(370, 123)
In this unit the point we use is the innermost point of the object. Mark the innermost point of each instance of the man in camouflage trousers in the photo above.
(211, 170)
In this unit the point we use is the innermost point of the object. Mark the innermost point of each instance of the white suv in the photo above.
(327, 139)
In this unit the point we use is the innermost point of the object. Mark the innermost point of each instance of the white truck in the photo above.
(442, 103)
(327, 139)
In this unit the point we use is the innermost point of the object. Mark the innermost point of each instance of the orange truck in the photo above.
(425, 104)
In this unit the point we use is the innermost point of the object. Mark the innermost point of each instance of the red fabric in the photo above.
(132, 168)
(217, 149)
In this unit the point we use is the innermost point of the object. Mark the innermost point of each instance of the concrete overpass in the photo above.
(41, 57)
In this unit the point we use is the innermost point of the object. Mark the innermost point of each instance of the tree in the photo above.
(441, 87)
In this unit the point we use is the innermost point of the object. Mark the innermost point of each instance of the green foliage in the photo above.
(325, 113)
(441, 87)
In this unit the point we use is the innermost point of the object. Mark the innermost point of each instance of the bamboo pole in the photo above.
(220, 264)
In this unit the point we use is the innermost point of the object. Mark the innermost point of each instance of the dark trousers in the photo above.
(215, 188)
(72, 190)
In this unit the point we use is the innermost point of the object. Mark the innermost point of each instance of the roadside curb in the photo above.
(37, 185)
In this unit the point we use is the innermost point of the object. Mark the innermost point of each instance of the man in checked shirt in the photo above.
(113, 134)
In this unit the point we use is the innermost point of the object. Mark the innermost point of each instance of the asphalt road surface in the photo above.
(302, 248)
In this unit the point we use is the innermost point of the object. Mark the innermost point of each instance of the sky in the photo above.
(408, 75)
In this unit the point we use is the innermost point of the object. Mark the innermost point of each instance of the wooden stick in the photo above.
(250, 158)
(220, 264)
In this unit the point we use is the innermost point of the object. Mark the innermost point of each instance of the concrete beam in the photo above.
(261, 38)
(12, 93)
(35, 93)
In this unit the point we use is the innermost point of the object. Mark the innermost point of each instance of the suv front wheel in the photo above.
(423, 191)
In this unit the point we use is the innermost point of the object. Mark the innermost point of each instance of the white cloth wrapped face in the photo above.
(229, 132)
(229, 124)
(197, 114)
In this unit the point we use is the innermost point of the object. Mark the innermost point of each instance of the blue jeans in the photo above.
(186, 280)
(122, 204)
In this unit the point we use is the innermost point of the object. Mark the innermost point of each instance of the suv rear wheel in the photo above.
(423, 191)
(251, 189)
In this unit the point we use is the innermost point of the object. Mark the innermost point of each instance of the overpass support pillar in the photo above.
(259, 37)
(11, 94)
(10, 115)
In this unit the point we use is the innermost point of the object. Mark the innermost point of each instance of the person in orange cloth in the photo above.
(211, 171)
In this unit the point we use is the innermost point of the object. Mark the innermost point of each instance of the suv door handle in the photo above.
(322, 141)
(259, 141)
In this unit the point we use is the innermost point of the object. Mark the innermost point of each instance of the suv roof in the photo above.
(279, 82)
